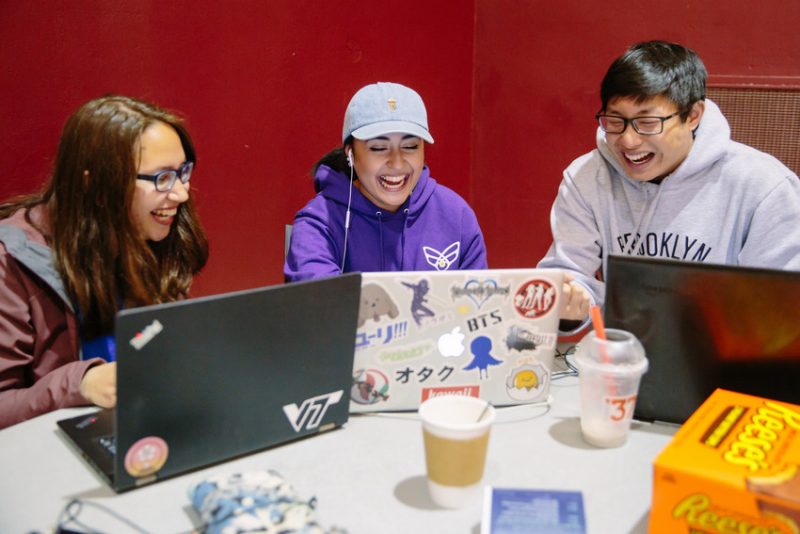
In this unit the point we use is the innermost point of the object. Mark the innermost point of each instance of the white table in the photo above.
(368, 476)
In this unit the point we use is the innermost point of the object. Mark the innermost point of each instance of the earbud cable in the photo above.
(347, 218)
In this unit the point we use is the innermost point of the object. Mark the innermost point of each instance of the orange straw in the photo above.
(600, 331)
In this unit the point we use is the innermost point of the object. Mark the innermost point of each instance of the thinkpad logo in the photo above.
(309, 414)
(146, 336)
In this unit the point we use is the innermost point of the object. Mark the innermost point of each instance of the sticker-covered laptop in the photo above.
(487, 333)
(205, 380)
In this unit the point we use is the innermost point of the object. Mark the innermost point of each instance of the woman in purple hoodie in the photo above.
(377, 208)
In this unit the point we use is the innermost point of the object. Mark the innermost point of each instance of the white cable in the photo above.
(347, 219)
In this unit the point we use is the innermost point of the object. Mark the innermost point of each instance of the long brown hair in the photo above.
(98, 249)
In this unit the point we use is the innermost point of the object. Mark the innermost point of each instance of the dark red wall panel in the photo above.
(538, 67)
(262, 84)
(511, 88)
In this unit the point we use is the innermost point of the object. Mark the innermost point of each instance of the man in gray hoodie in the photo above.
(667, 181)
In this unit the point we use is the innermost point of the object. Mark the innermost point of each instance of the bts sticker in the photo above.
(534, 298)
(375, 303)
(369, 386)
(479, 292)
(146, 456)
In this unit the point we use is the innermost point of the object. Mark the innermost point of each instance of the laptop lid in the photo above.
(204, 380)
(706, 326)
(486, 333)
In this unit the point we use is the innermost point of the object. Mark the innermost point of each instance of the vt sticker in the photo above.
(310, 413)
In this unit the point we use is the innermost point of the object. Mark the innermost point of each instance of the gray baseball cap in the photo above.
(382, 108)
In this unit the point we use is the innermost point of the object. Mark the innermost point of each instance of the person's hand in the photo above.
(575, 299)
(99, 385)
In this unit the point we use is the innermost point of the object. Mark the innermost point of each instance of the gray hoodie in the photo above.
(725, 203)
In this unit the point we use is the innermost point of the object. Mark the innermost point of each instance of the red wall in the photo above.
(263, 85)
(538, 67)
(511, 88)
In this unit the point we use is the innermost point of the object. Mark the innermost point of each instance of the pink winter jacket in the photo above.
(40, 368)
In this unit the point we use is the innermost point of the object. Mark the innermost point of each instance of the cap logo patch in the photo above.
(392, 104)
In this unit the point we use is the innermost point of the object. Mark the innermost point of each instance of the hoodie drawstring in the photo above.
(403, 240)
(378, 214)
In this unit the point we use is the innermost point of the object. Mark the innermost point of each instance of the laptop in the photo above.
(205, 380)
(485, 333)
(706, 326)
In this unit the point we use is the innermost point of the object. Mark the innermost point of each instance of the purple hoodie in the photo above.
(434, 230)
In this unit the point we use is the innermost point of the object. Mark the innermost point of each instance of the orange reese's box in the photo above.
(733, 467)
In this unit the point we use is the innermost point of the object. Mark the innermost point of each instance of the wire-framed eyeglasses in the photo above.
(643, 125)
(165, 180)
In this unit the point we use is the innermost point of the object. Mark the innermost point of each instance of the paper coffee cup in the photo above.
(456, 434)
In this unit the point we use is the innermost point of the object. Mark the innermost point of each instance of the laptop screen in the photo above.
(706, 326)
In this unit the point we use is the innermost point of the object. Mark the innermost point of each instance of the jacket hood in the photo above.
(711, 137)
(335, 186)
(27, 246)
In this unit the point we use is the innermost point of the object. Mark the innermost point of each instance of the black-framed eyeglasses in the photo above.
(165, 180)
(643, 125)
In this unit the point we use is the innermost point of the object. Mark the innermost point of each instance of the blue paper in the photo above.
(525, 511)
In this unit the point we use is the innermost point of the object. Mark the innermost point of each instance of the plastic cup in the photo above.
(455, 430)
(609, 371)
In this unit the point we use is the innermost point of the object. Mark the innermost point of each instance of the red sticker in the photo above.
(535, 298)
(465, 391)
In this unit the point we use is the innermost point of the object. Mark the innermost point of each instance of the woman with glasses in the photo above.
(114, 227)
(667, 181)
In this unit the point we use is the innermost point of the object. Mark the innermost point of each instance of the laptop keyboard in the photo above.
(109, 444)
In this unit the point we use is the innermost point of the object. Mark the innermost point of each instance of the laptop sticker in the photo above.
(481, 348)
(375, 303)
(451, 344)
(146, 456)
(311, 411)
(528, 382)
(535, 298)
(419, 302)
(479, 292)
(466, 391)
(484, 320)
(369, 386)
(382, 335)
(404, 353)
(522, 339)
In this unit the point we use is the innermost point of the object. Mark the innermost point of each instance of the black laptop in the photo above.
(706, 326)
(208, 379)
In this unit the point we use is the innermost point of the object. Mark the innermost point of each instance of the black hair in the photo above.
(336, 159)
(657, 68)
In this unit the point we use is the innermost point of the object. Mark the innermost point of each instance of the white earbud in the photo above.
(350, 157)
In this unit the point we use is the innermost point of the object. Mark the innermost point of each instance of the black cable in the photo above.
(74, 508)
